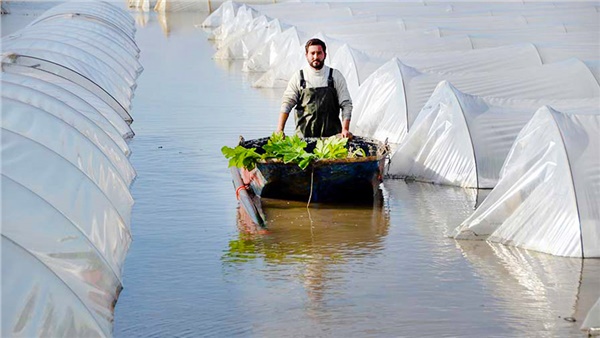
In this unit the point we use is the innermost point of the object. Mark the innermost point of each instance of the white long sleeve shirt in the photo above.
(314, 79)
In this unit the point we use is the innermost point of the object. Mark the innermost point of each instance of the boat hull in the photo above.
(352, 180)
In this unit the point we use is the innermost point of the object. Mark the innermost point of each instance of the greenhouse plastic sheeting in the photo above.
(81, 25)
(460, 139)
(101, 12)
(81, 155)
(69, 79)
(101, 63)
(44, 94)
(81, 200)
(388, 102)
(281, 64)
(38, 292)
(71, 94)
(110, 41)
(340, 27)
(99, 47)
(241, 47)
(66, 90)
(91, 68)
(52, 132)
(225, 13)
(547, 196)
(59, 109)
(357, 66)
(276, 50)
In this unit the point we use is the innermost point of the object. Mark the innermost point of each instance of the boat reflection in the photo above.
(320, 241)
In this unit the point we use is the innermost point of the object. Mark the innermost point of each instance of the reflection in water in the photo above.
(542, 288)
(162, 20)
(318, 239)
(437, 209)
(141, 17)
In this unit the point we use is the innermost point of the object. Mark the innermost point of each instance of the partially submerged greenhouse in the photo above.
(463, 140)
(389, 101)
(67, 83)
(547, 196)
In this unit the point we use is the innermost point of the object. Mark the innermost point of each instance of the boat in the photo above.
(348, 180)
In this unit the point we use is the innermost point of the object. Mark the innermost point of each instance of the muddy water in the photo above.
(198, 268)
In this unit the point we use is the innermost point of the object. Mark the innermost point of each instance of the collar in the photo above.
(321, 72)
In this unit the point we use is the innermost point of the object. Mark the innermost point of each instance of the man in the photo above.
(318, 93)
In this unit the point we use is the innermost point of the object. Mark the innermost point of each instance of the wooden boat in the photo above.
(354, 180)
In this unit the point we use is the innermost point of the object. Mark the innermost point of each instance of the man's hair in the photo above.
(315, 42)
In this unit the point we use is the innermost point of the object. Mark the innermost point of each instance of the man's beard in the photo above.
(317, 64)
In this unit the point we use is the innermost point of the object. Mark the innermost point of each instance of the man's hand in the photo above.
(283, 116)
(346, 129)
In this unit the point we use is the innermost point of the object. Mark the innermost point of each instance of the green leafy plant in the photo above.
(290, 149)
(241, 157)
(331, 148)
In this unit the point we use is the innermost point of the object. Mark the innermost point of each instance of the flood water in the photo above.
(196, 267)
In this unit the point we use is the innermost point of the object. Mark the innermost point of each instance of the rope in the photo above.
(312, 176)
(240, 188)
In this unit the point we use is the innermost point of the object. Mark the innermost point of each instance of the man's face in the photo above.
(315, 56)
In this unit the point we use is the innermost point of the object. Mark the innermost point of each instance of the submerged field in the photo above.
(197, 268)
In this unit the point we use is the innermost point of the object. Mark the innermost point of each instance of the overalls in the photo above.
(317, 115)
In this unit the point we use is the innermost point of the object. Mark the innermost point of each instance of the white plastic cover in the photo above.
(357, 66)
(40, 292)
(547, 196)
(388, 102)
(90, 68)
(460, 139)
(243, 45)
(64, 157)
(75, 83)
(282, 47)
(67, 76)
(79, 24)
(76, 236)
(31, 97)
(97, 46)
(241, 22)
(81, 34)
(282, 66)
(38, 46)
(100, 12)
(71, 94)
(54, 93)
(53, 132)
(225, 13)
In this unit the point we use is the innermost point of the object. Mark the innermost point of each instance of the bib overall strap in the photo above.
(302, 81)
(330, 78)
